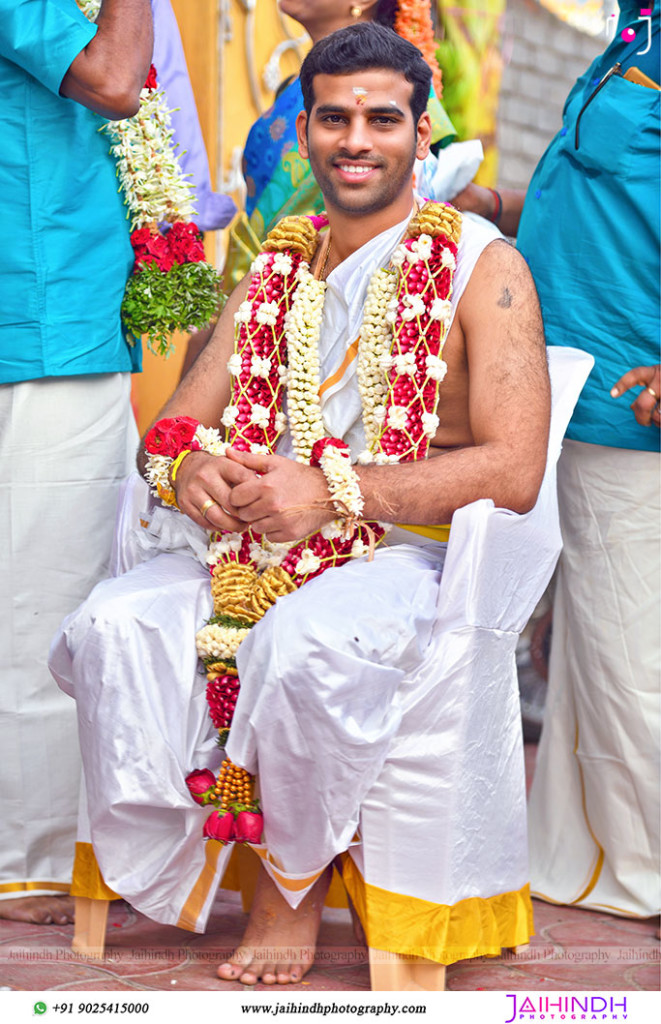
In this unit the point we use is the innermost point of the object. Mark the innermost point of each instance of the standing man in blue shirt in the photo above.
(589, 230)
(66, 427)
(590, 233)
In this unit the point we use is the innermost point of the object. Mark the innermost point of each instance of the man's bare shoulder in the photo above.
(500, 320)
(501, 274)
(507, 388)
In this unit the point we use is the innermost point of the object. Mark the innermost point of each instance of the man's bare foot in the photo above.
(38, 909)
(279, 943)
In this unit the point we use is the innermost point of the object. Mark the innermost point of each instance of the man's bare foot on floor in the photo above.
(38, 909)
(279, 943)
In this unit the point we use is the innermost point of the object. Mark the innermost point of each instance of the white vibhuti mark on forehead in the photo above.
(360, 93)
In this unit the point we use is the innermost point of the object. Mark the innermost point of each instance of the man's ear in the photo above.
(423, 134)
(301, 133)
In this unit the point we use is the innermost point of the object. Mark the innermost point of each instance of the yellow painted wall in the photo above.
(220, 60)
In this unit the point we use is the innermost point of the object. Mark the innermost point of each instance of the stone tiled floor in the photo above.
(573, 950)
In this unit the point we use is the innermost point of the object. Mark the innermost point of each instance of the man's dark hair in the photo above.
(362, 47)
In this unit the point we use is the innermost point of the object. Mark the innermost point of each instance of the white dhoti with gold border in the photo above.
(374, 725)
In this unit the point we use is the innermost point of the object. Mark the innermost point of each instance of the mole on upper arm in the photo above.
(505, 300)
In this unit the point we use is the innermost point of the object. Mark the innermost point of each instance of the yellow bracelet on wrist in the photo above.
(169, 497)
(174, 468)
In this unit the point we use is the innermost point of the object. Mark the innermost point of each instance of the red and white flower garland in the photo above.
(400, 369)
(173, 287)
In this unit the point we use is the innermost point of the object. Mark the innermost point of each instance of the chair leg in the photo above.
(89, 936)
(390, 972)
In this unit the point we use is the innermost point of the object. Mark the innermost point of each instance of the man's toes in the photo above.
(249, 978)
(290, 974)
(37, 910)
(230, 971)
(268, 973)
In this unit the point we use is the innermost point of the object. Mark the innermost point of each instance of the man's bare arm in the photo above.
(203, 394)
(509, 406)
(108, 73)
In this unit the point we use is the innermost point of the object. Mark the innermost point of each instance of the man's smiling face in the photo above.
(361, 139)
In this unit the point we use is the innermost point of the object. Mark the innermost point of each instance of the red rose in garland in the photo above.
(185, 243)
(201, 785)
(219, 825)
(151, 82)
(169, 437)
(248, 827)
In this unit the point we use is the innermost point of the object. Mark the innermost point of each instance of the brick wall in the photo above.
(546, 56)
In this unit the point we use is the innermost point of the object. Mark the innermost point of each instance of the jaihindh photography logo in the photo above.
(552, 1008)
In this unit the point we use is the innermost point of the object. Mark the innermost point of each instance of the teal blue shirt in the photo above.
(590, 233)
(66, 248)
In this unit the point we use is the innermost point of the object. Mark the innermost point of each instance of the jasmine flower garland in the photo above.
(173, 287)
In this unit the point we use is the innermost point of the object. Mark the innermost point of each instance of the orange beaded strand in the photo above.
(234, 785)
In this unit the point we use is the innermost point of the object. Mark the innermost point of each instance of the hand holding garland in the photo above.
(278, 497)
(172, 287)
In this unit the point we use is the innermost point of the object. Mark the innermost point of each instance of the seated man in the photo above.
(358, 743)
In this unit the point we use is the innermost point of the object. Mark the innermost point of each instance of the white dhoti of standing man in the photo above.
(54, 435)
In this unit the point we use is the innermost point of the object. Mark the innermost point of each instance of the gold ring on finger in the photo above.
(207, 505)
(652, 392)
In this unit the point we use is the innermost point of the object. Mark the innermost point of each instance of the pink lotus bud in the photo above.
(200, 785)
(219, 825)
(248, 827)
